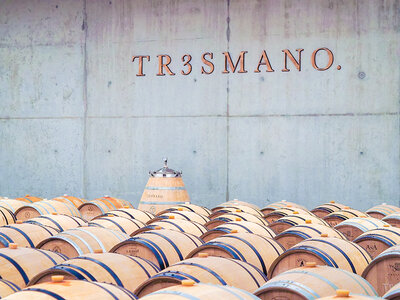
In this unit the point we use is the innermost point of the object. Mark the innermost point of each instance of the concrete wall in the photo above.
(75, 118)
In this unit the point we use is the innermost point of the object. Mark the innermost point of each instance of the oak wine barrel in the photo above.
(252, 248)
(201, 210)
(122, 270)
(61, 289)
(393, 220)
(378, 240)
(285, 211)
(393, 293)
(281, 204)
(6, 216)
(235, 216)
(234, 202)
(175, 224)
(75, 201)
(46, 207)
(19, 264)
(382, 210)
(384, 271)
(163, 247)
(236, 208)
(130, 213)
(295, 219)
(238, 226)
(24, 235)
(339, 216)
(200, 291)
(58, 222)
(125, 225)
(325, 209)
(333, 252)
(184, 215)
(82, 240)
(313, 282)
(29, 199)
(298, 233)
(354, 227)
(12, 204)
(207, 269)
(100, 206)
(7, 288)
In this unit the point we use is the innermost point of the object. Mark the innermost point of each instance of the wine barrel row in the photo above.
(102, 267)
(19, 265)
(204, 268)
(189, 243)
(163, 247)
(25, 235)
(60, 288)
(313, 282)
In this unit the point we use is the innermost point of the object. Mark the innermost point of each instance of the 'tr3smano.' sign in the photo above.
(234, 65)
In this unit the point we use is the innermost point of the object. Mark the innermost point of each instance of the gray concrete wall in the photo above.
(75, 118)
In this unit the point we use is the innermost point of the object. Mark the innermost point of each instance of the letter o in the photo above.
(330, 57)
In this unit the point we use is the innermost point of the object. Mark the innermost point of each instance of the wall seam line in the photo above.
(228, 32)
(85, 104)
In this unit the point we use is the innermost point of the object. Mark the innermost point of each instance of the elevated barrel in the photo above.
(298, 233)
(378, 240)
(328, 251)
(19, 264)
(280, 204)
(82, 240)
(46, 207)
(60, 288)
(201, 210)
(393, 293)
(238, 226)
(130, 213)
(382, 210)
(12, 204)
(236, 208)
(354, 227)
(176, 224)
(75, 201)
(325, 209)
(285, 211)
(184, 215)
(384, 271)
(122, 270)
(125, 225)
(6, 216)
(235, 216)
(25, 235)
(292, 220)
(161, 246)
(207, 269)
(7, 288)
(252, 248)
(200, 291)
(58, 222)
(165, 188)
(100, 206)
(339, 216)
(393, 219)
(29, 199)
(313, 282)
